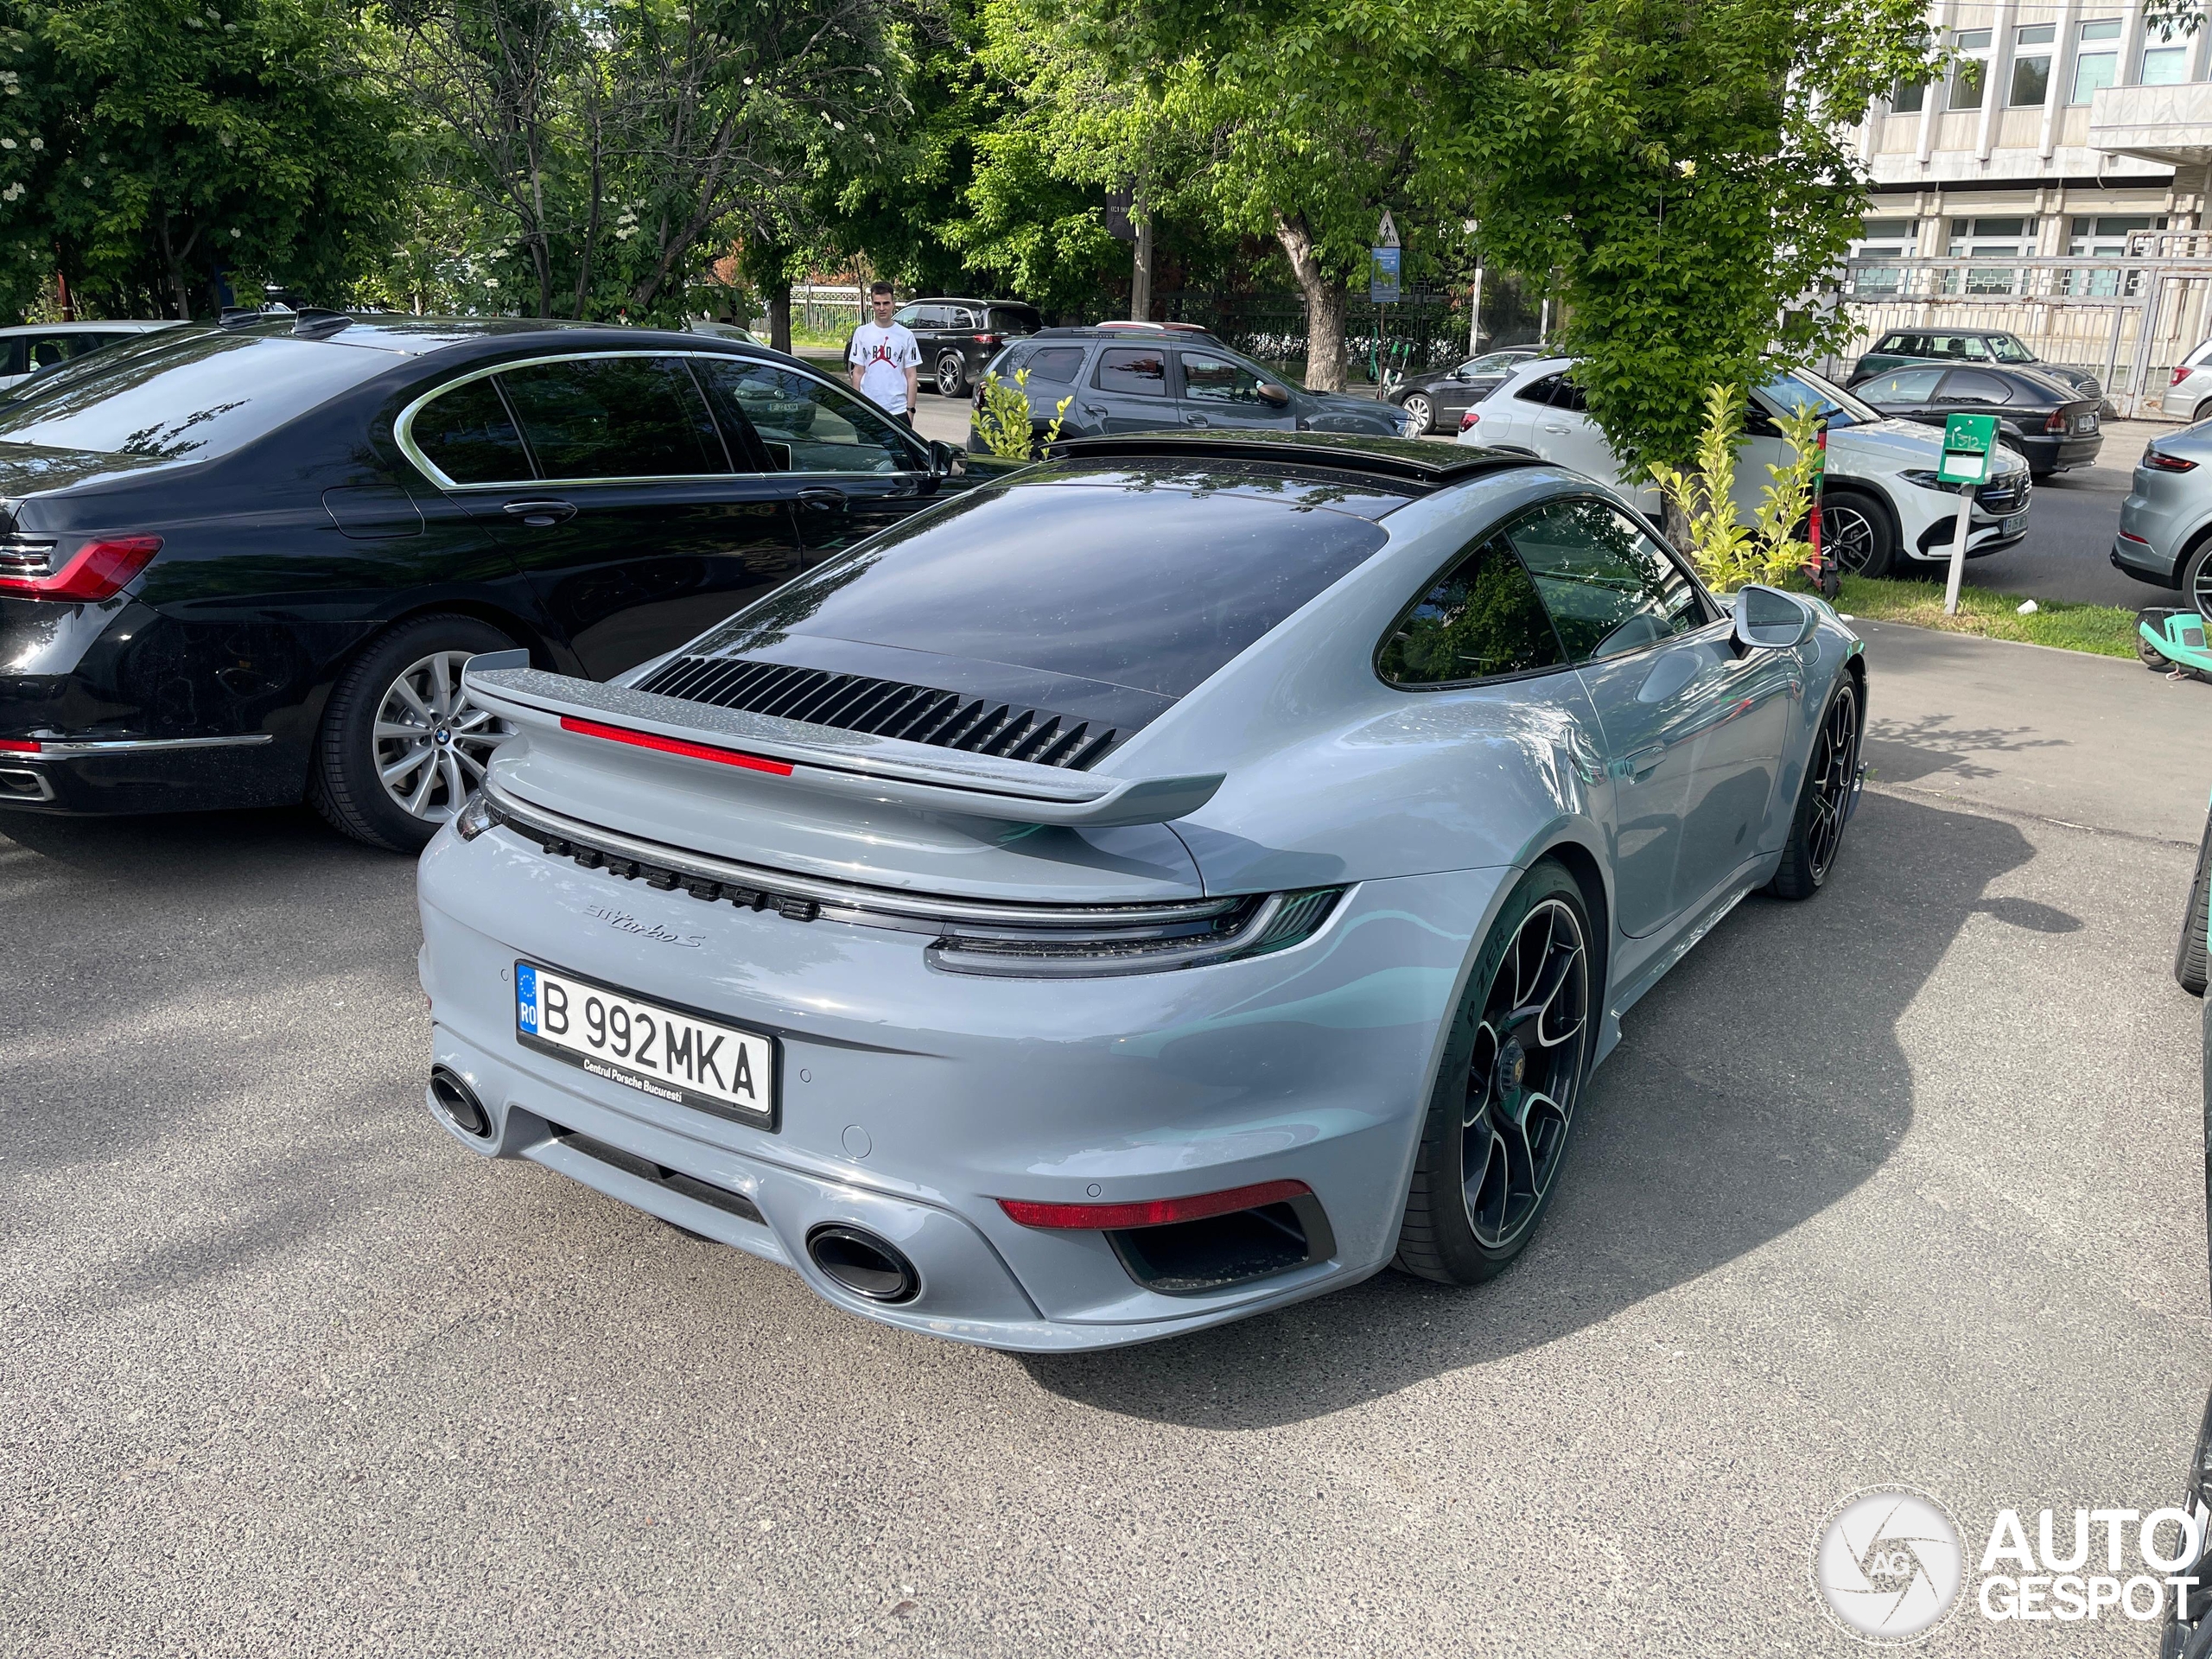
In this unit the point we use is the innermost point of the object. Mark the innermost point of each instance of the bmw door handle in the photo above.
(541, 515)
(822, 497)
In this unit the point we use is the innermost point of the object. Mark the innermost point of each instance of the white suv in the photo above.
(1881, 507)
(2190, 395)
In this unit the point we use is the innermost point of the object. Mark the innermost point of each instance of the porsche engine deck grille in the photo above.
(854, 703)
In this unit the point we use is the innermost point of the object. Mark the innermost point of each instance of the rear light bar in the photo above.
(2159, 462)
(1151, 1212)
(675, 746)
(96, 570)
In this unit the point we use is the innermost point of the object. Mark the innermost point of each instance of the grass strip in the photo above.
(2103, 630)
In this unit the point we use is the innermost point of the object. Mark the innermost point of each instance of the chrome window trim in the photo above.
(402, 427)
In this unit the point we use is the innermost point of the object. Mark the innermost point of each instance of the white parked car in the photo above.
(33, 347)
(1882, 508)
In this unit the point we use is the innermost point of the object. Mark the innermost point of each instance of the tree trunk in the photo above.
(1325, 305)
(174, 258)
(779, 312)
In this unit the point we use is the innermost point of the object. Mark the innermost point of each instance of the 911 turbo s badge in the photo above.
(624, 922)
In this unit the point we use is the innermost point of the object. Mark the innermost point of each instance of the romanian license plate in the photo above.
(2013, 525)
(2085, 422)
(662, 1051)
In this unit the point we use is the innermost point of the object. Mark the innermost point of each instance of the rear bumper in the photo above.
(107, 777)
(2056, 453)
(912, 1100)
(2138, 559)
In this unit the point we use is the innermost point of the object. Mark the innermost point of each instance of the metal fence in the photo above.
(2128, 320)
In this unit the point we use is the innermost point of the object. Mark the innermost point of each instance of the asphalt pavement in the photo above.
(1902, 1184)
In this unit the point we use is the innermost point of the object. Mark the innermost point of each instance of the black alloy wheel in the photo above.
(1856, 535)
(952, 374)
(1823, 800)
(1504, 1106)
(2196, 579)
(1422, 411)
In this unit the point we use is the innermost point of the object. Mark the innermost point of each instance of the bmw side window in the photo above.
(1134, 370)
(1902, 386)
(468, 434)
(1610, 588)
(1057, 363)
(1541, 390)
(1973, 386)
(807, 425)
(1482, 620)
(614, 417)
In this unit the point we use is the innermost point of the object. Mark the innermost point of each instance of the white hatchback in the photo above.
(29, 347)
(1881, 506)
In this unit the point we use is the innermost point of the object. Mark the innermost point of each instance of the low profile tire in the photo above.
(1824, 798)
(1423, 411)
(2190, 966)
(1856, 532)
(1502, 1110)
(2202, 412)
(2196, 579)
(401, 749)
(2150, 656)
(951, 375)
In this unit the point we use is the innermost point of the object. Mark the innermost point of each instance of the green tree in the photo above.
(150, 146)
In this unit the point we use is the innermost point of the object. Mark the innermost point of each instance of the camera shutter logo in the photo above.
(1888, 1564)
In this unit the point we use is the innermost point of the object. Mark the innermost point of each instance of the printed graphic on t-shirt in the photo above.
(883, 355)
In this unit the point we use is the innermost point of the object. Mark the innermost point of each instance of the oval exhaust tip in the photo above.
(459, 1103)
(862, 1263)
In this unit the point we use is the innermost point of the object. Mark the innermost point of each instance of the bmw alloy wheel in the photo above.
(1524, 1073)
(431, 743)
(1422, 413)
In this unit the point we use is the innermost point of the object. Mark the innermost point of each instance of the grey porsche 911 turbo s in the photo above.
(1177, 878)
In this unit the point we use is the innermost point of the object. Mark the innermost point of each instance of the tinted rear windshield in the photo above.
(187, 396)
(1138, 577)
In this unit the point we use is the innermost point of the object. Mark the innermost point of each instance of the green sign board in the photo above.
(1969, 442)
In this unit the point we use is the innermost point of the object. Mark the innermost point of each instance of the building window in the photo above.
(2164, 62)
(1976, 238)
(1970, 75)
(1883, 239)
(2105, 237)
(1909, 97)
(2031, 64)
(2096, 59)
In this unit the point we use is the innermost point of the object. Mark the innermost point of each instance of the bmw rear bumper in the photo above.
(913, 1099)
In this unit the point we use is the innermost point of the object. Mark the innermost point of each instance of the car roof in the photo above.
(1401, 459)
(1127, 331)
(406, 335)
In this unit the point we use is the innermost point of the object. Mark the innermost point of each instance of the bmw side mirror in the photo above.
(945, 459)
(1768, 619)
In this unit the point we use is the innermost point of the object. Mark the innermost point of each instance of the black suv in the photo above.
(957, 337)
(1142, 377)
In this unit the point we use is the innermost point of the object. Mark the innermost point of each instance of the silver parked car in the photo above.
(2188, 396)
(1157, 886)
(2165, 523)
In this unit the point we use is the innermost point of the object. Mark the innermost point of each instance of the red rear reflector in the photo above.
(674, 745)
(18, 745)
(97, 570)
(1154, 1213)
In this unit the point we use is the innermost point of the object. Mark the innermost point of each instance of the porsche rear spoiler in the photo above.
(858, 766)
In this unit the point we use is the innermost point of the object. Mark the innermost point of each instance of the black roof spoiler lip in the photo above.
(1459, 464)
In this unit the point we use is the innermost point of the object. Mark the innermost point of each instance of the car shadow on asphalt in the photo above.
(1761, 1083)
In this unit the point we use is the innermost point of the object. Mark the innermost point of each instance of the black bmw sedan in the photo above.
(2054, 424)
(1437, 401)
(242, 566)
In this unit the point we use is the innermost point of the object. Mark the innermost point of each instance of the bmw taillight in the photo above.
(2056, 423)
(95, 571)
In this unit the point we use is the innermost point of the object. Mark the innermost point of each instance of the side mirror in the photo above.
(1768, 619)
(1273, 395)
(945, 459)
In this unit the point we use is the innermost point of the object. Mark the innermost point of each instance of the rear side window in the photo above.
(1015, 319)
(467, 435)
(1568, 395)
(614, 417)
(1482, 620)
(807, 425)
(1976, 386)
(1540, 390)
(1135, 370)
(1608, 586)
(1057, 363)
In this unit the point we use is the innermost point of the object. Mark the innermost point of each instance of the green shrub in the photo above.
(1002, 418)
(1728, 553)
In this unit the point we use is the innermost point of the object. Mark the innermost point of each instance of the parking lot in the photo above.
(1901, 1185)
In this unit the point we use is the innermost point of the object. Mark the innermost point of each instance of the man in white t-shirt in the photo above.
(886, 361)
